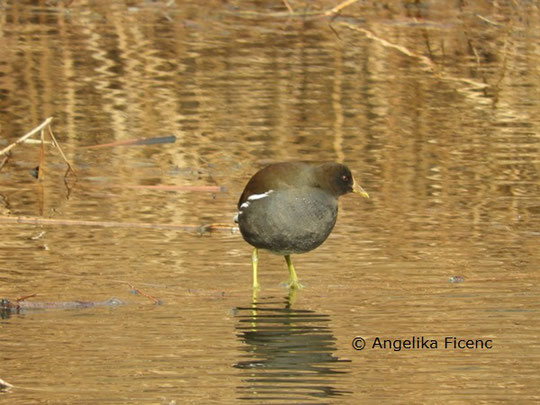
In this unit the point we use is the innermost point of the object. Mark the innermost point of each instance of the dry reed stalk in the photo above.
(115, 224)
(134, 142)
(339, 7)
(138, 291)
(25, 297)
(288, 6)
(36, 142)
(4, 160)
(304, 13)
(206, 189)
(4, 385)
(55, 142)
(488, 20)
(387, 44)
(430, 65)
(26, 136)
(41, 155)
(41, 130)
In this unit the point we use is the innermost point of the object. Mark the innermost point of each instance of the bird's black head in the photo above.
(338, 180)
(341, 178)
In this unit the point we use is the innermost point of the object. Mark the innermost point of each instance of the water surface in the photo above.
(434, 108)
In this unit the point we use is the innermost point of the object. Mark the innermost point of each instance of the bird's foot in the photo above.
(292, 284)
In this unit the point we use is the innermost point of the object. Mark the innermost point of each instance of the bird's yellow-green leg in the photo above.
(293, 278)
(255, 262)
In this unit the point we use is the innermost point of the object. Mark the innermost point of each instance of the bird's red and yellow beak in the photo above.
(359, 190)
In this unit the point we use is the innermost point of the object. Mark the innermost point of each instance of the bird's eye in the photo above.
(345, 178)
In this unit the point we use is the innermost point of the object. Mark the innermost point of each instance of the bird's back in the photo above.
(280, 176)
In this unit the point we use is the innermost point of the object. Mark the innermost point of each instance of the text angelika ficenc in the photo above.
(420, 342)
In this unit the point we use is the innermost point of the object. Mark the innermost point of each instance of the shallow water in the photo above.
(434, 108)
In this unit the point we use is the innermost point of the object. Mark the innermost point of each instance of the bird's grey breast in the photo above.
(289, 220)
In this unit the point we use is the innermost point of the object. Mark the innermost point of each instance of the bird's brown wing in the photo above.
(277, 176)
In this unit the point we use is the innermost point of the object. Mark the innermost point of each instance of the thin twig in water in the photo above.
(488, 21)
(113, 224)
(138, 291)
(41, 164)
(208, 189)
(339, 7)
(334, 31)
(25, 297)
(134, 142)
(303, 13)
(41, 129)
(61, 151)
(288, 6)
(388, 44)
(477, 57)
(4, 160)
(26, 136)
(36, 141)
(5, 386)
(427, 61)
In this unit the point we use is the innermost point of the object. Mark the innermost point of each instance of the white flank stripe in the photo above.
(248, 202)
(259, 196)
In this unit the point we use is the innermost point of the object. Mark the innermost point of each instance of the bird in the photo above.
(291, 207)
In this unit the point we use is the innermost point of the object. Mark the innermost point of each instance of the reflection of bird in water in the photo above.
(292, 207)
(288, 353)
